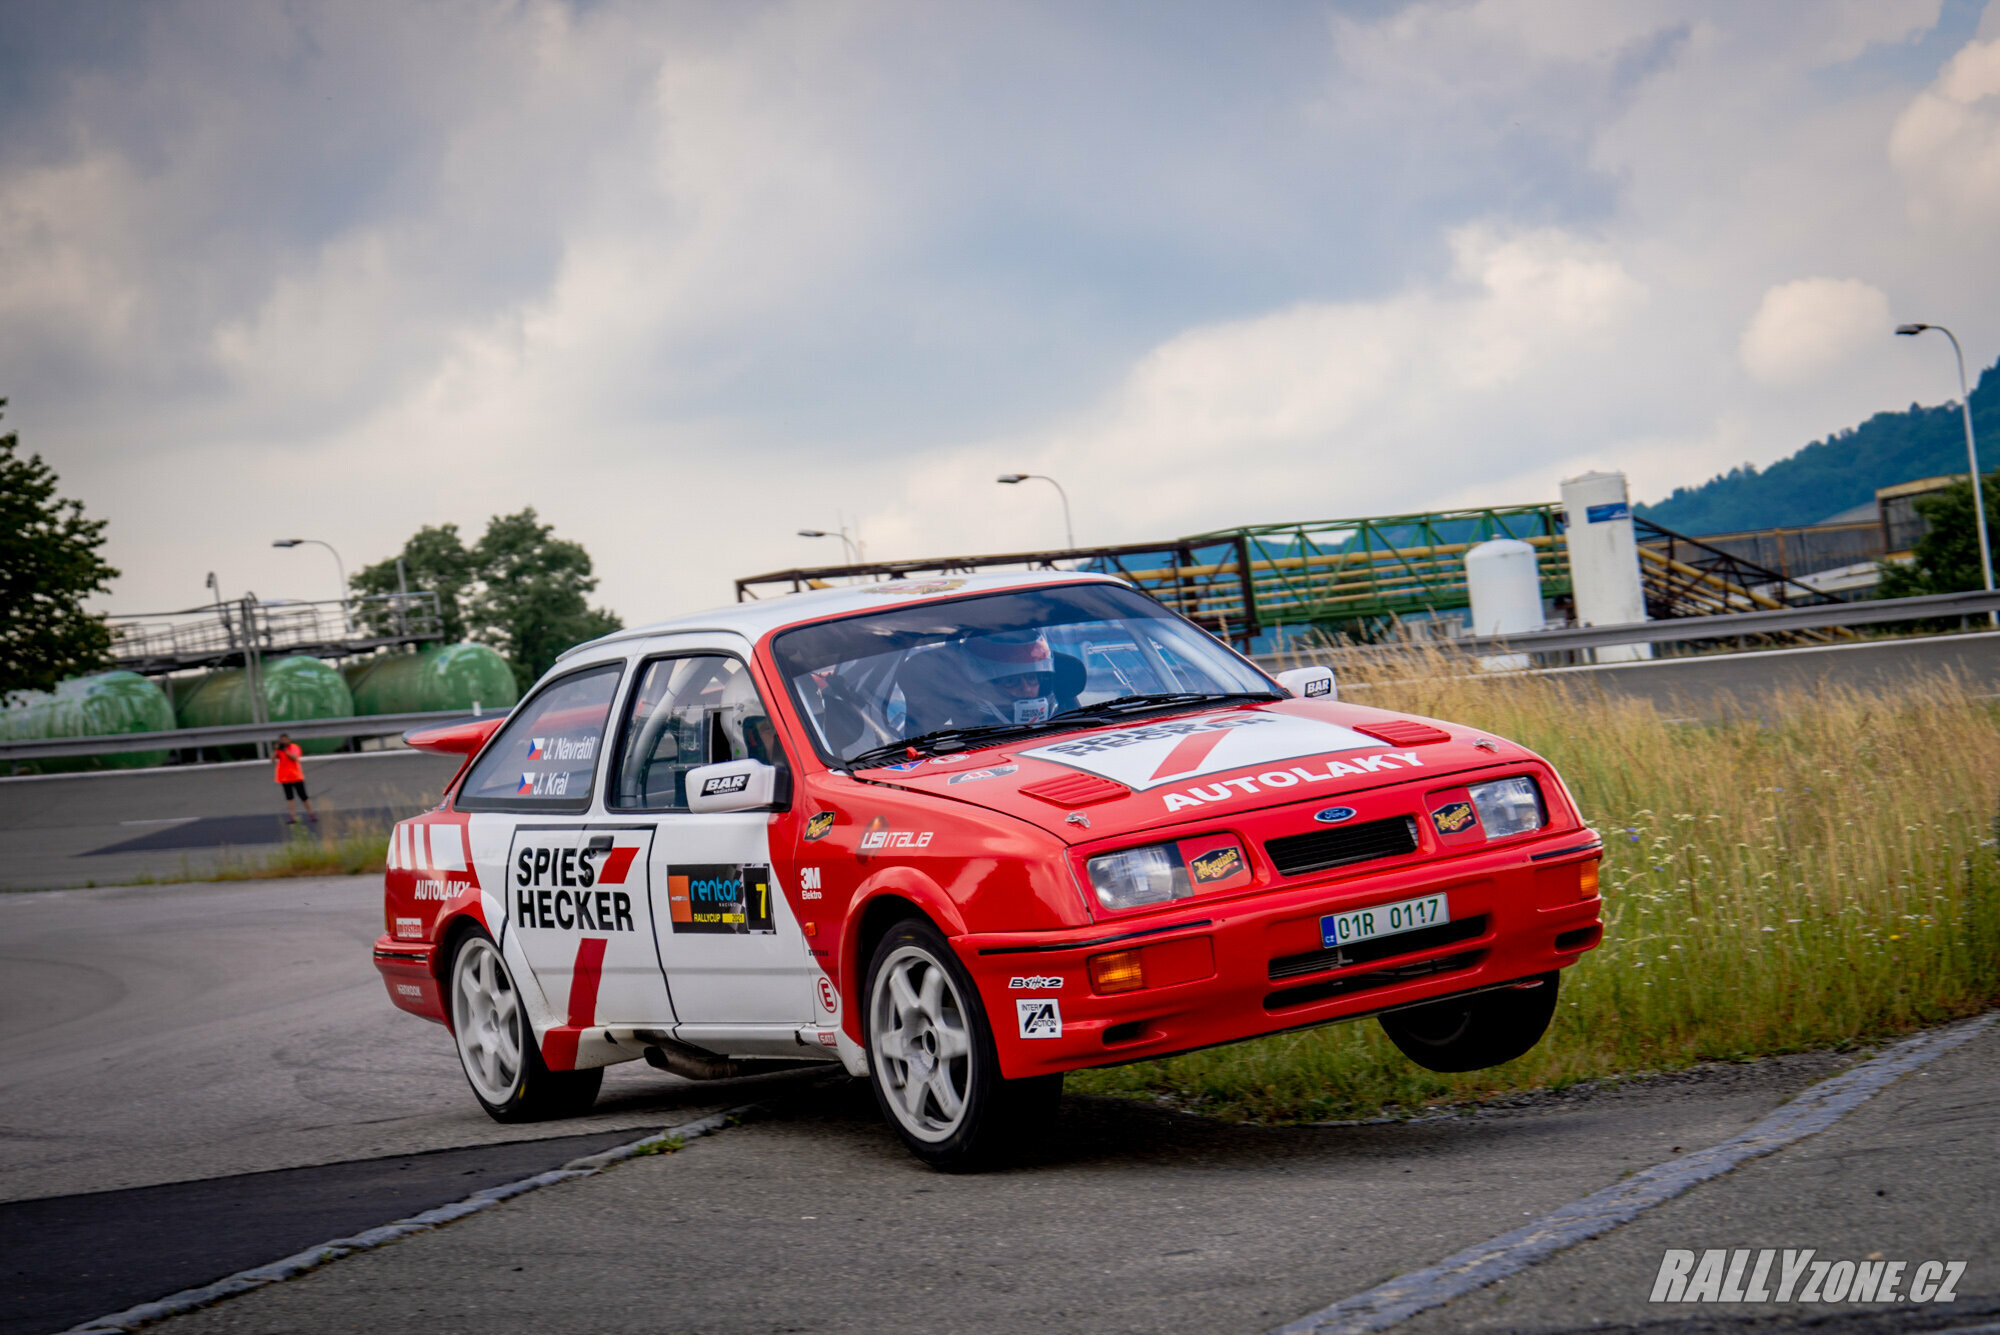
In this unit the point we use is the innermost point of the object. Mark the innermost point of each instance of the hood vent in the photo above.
(1077, 790)
(1401, 732)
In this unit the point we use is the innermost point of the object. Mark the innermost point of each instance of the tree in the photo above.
(519, 588)
(48, 566)
(435, 559)
(533, 604)
(1946, 558)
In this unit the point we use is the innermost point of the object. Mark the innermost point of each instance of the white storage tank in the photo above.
(1506, 591)
(1604, 559)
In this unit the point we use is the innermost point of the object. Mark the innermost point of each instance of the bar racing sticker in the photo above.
(720, 897)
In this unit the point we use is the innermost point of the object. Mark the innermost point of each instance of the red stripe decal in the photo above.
(616, 863)
(1189, 752)
(583, 981)
(559, 1044)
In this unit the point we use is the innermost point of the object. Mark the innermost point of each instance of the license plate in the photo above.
(1408, 915)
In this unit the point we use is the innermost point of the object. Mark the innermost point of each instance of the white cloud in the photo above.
(1946, 144)
(1809, 327)
(687, 280)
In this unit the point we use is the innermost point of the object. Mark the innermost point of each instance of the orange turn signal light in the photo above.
(1586, 884)
(1120, 971)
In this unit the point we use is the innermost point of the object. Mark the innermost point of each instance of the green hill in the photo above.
(1840, 472)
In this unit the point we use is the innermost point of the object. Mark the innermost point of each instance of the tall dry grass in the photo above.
(1816, 875)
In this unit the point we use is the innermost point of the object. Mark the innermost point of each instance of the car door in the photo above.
(732, 949)
(571, 886)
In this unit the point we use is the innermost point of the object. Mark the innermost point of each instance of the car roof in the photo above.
(758, 617)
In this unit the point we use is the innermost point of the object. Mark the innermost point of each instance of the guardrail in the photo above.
(360, 725)
(1935, 606)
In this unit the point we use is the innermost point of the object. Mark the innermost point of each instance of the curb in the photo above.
(312, 1258)
(1818, 1108)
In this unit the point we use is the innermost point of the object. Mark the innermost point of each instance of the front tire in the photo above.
(931, 1059)
(496, 1045)
(1475, 1032)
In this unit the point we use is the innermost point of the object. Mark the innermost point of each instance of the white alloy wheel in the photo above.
(487, 1021)
(920, 1037)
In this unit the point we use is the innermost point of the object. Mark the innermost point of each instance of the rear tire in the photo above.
(931, 1059)
(496, 1045)
(1475, 1032)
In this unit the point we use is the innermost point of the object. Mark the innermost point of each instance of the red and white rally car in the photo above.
(964, 835)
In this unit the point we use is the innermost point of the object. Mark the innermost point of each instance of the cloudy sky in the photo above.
(689, 277)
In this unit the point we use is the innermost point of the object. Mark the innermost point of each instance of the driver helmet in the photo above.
(1022, 665)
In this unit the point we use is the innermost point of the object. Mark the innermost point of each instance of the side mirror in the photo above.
(1310, 683)
(733, 785)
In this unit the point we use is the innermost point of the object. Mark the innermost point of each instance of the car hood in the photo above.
(1166, 769)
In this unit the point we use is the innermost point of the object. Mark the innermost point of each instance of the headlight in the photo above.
(1135, 876)
(1508, 806)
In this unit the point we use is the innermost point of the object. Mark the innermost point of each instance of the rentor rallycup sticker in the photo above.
(1154, 754)
(720, 897)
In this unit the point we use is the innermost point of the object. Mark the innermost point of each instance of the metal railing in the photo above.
(236, 734)
(212, 635)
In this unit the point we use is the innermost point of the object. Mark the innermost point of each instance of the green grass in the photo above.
(333, 847)
(1819, 877)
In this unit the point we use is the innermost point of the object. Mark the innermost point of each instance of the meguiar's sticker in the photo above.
(1453, 818)
(817, 827)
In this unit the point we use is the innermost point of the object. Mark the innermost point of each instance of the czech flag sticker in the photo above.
(527, 787)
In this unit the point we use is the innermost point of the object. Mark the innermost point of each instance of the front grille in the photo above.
(1367, 982)
(1379, 948)
(1299, 853)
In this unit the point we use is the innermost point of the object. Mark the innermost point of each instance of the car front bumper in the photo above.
(1240, 968)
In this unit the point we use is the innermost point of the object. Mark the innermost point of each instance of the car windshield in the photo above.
(1006, 662)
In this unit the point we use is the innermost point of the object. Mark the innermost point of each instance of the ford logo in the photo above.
(1334, 815)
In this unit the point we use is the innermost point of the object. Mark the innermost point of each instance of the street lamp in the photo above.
(853, 555)
(1068, 531)
(1971, 456)
(339, 565)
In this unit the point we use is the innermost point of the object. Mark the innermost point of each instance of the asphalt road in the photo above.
(154, 1034)
(1720, 684)
(55, 829)
(166, 1052)
(1131, 1219)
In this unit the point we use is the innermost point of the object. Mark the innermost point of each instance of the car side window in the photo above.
(699, 709)
(546, 756)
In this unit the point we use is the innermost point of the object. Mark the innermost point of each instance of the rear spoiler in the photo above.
(456, 739)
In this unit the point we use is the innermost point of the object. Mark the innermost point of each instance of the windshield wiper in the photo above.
(1128, 704)
(944, 739)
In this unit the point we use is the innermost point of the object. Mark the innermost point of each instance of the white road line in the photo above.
(291, 1267)
(1483, 1263)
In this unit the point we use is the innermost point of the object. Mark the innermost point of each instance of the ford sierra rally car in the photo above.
(962, 836)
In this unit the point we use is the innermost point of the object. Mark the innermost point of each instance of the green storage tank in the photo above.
(452, 676)
(93, 706)
(295, 688)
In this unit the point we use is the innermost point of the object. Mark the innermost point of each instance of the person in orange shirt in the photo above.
(286, 757)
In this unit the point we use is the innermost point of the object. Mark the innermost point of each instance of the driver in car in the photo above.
(1019, 668)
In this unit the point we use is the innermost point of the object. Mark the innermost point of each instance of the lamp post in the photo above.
(1068, 531)
(853, 555)
(338, 564)
(1971, 457)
